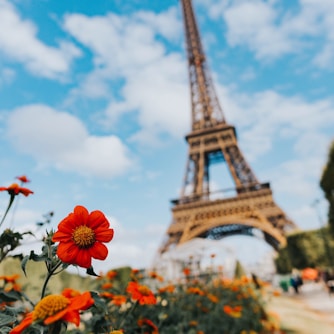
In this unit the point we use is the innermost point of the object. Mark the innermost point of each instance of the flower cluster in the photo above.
(124, 300)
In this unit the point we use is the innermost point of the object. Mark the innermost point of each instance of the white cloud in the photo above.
(155, 83)
(61, 140)
(275, 116)
(271, 32)
(18, 41)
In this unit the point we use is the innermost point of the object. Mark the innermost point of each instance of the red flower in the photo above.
(56, 307)
(23, 179)
(14, 189)
(153, 329)
(81, 236)
(186, 271)
(141, 293)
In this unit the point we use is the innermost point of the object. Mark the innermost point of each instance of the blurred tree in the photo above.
(306, 249)
(283, 262)
(327, 185)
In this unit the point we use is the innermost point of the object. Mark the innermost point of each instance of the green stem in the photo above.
(11, 200)
(50, 274)
(126, 314)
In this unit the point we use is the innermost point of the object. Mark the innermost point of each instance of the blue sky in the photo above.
(94, 107)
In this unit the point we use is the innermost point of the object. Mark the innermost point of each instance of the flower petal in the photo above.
(82, 302)
(26, 322)
(104, 235)
(81, 215)
(97, 220)
(62, 236)
(68, 252)
(98, 251)
(83, 259)
(72, 316)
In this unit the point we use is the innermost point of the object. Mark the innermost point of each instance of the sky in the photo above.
(95, 105)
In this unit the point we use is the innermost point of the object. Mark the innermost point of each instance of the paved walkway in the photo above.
(309, 312)
(316, 296)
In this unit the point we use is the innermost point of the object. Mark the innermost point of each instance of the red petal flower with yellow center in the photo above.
(14, 189)
(54, 308)
(81, 236)
(141, 293)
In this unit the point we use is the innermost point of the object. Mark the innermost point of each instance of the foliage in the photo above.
(327, 185)
(283, 262)
(118, 301)
(306, 249)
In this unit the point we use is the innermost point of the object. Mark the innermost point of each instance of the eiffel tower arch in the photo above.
(198, 213)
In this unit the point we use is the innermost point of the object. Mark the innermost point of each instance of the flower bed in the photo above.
(120, 301)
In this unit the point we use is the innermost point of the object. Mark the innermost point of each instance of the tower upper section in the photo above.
(206, 110)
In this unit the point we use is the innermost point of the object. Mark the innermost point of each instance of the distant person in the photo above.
(296, 281)
(329, 281)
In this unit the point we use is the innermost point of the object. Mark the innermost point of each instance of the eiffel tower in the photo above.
(196, 214)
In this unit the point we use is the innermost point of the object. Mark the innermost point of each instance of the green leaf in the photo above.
(5, 330)
(6, 319)
(24, 263)
(10, 296)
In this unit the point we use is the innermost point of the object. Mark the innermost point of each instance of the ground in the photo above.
(309, 312)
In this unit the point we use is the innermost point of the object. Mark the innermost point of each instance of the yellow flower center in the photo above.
(83, 236)
(48, 306)
(144, 290)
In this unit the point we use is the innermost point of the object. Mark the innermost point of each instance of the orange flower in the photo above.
(213, 298)
(81, 236)
(141, 293)
(234, 312)
(169, 288)
(147, 322)
(118, 300)
(14, 189)
(10, 279)
(54, 308)
(156, 276)
(107, 294)
(106, 286)
(195, 291)
(111, 274)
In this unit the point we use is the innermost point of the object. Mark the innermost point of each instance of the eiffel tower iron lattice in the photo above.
(196, 214)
